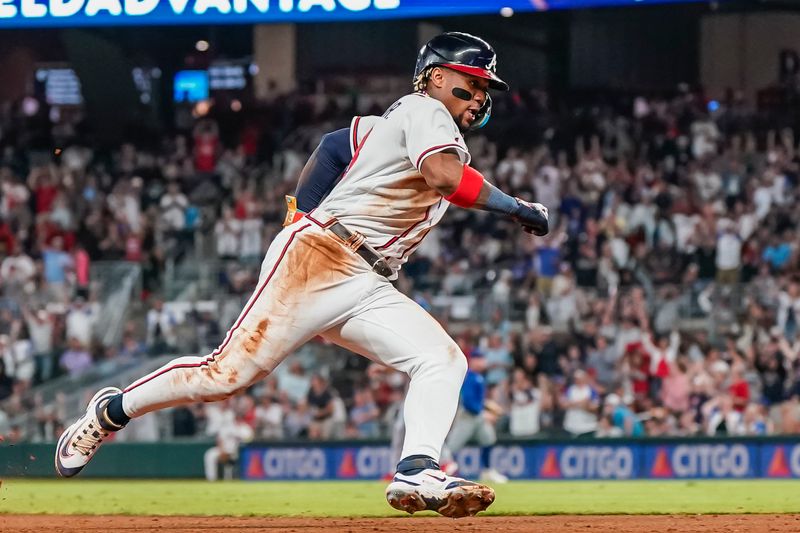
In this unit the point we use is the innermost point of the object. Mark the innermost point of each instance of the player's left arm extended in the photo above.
(464, 186)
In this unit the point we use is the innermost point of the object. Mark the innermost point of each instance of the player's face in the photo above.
(463, 111)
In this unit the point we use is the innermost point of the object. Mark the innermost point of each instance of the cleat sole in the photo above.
(410, 502)
(458, 502)
(467, 501)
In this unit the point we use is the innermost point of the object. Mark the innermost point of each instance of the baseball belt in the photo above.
(355, 241)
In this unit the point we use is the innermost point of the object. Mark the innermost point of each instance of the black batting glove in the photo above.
(532, 217)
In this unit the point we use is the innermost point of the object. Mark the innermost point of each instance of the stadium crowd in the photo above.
(665, 300)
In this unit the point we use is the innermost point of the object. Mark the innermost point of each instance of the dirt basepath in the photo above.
(494, 524)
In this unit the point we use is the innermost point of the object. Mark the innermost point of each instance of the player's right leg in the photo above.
(309, 281)
(393, 329)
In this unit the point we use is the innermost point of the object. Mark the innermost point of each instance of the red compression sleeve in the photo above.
(469, 188)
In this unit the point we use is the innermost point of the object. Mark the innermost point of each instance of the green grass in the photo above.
(80, 496)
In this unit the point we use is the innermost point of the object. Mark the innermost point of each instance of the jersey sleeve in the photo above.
(359, 127)
(429, 129)
(323, 168)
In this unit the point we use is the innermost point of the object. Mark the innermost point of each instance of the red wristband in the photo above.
(469, 188)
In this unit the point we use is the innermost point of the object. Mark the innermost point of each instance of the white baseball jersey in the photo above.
(382, 193)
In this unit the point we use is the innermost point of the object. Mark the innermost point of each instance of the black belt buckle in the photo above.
(380, 266)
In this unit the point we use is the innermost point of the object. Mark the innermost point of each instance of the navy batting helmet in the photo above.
(462, 52)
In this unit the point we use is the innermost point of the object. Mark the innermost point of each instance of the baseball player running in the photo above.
(328, 273)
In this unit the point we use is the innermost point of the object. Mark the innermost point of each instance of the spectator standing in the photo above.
(602, 361)
(547, 187)
(23, 360)
(17, 268)
(739, 389)
(40, 324)
(580, 403)
(76, 360)
(789, 310)
(320, 402)
(173, 208)
(729, 253)
(227, 231)
(547, 260)
(663, 353)
(45, 189)
(566, 301)
(57, 263)
(269, 418)
(525, 406)
(338, 416)
(498, 360)
(82, 264)
(161, 323)
(364, 413)
(81, 319)
(675, 388)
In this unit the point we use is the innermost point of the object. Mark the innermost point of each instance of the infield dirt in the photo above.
(515, 524)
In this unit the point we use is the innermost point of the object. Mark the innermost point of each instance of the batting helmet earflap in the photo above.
(462, 52)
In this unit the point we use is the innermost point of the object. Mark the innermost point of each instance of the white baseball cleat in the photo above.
(79, 442)
(433, 490)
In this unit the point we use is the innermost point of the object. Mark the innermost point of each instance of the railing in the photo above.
(117, 281)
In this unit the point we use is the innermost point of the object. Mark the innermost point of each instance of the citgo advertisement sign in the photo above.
(594, 459)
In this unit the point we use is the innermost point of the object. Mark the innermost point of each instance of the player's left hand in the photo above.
(544, 214)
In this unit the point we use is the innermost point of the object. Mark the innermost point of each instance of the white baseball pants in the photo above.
(312, 284)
